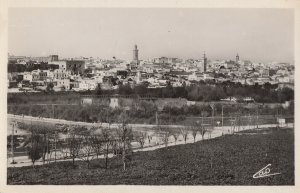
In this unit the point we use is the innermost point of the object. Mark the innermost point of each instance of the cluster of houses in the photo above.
(82, 74)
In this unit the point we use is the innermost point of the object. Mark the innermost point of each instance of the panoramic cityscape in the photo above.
(34, 74)
(150, 97)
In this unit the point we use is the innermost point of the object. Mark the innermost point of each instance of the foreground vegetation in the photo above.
(227, 160)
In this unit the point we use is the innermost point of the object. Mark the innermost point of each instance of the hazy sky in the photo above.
(261, 35)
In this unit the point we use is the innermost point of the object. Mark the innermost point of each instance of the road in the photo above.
(30, 119)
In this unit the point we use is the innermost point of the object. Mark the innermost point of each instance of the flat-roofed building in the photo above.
(75, 66)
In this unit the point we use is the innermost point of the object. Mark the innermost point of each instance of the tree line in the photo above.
(73, 142)
(77, 142)
(202, 91)
(143, 112)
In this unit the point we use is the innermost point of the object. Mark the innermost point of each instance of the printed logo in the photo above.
(264, 172)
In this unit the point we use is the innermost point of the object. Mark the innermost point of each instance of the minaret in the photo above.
(237, 58)
(204, 62)
(136, 54)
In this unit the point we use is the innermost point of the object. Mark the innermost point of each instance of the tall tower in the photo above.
(136, 54)
(237, 58)
(204, 62)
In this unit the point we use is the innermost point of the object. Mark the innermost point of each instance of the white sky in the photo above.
(261, 35)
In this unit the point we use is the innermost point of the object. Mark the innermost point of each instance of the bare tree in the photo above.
(49, 137)
(55, 144)
(194, 133)
(158, 135)
(175, 133)
(184, 132)
(201, 128)
(164, 133)
(108, 141)
(45, 131)
(209, 131)
(97, 144)
(140, 137)
(166, 138)
(55, 140)
(202, 131)
(149, 137)
(124, 134)
(87, 149)
(74, 141)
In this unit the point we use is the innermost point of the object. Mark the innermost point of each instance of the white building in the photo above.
(193, 77)
(62, 65)
(27, 76)
(62, 84)
(87, 84)
(60, 74)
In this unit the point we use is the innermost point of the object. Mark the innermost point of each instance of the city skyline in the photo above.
(262, 35)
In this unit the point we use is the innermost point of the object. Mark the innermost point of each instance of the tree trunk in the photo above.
(49, 157)
(55, 149)
(124, 155)
(106, 156)
(47, 149)
(43, 150)
(73, 162)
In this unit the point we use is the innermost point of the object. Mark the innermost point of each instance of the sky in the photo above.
(261, 35)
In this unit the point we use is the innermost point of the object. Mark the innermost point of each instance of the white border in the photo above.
(4, 4)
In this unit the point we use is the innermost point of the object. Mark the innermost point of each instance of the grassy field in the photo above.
(227, 160)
